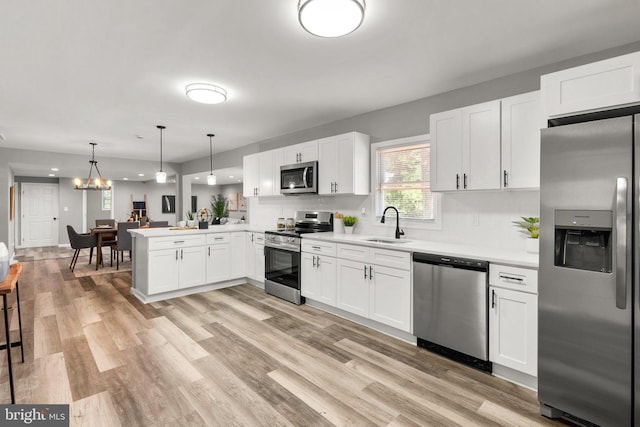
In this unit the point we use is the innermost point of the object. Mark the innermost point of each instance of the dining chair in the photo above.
(123, 242)
(156, 224)
(81, 241)
(111, 222)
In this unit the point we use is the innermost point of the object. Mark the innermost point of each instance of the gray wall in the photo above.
(204, 193)
(71, 200)
(123, 190)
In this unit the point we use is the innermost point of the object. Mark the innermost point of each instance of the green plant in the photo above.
(189, 215)
(349, 221)
(219, 205)
(530, 226)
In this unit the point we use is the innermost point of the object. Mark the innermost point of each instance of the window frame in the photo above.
(426, 224)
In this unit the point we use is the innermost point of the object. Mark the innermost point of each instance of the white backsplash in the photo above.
(494, 211)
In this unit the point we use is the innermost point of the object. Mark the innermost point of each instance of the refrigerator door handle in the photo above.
(621, 240)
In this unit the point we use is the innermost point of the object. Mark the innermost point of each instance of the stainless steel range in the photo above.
(282, 254)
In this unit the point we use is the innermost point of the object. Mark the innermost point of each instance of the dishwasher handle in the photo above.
(449, 261)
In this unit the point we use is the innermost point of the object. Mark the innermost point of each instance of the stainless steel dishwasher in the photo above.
(450, 313)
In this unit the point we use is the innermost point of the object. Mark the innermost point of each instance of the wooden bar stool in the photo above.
(6, 287)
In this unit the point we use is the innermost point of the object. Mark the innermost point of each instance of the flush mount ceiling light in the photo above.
(161, 176)
(211, 178)
(99, 183)
(330, 18)
(206, 93)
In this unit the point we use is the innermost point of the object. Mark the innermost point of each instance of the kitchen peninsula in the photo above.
(170, 262)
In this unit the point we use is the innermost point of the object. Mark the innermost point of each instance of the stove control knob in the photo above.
(292, 239)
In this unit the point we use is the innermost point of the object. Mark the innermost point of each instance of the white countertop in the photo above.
(164, 231)
(494, 255)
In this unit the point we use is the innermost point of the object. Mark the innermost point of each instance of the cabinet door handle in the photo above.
(176, 254)
(336, 187)
(181, 253)
(465, 180)
(209, 250)
(365, 271)
(318, 262)
(218, 238)
(457, 181)
(505, 179)
(314, 261)
(370, 273)
(493, 298)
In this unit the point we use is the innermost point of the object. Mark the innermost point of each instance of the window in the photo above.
(401, 179)
(106, 200)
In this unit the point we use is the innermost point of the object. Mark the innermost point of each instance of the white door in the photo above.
(391, 297)
(446, 150)
(163, 270)
(192, 266)
(481, 147)
(513, 330)
(39, 209)
(353, 287)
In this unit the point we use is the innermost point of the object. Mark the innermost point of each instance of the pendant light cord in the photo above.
(161, 127)
(210, 135)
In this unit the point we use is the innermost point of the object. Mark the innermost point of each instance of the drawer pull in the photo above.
(178, 241)
(511, 278)
(218, 238)
(317, 248)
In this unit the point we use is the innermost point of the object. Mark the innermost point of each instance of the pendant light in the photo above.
(161, 176)
(211, 178)
(331, 18)
(99, 183)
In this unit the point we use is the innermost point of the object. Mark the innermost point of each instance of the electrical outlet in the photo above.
(364, 211)
(476, 219)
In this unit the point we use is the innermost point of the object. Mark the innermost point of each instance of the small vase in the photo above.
(348, 230)
(532, 245)
(191, 223)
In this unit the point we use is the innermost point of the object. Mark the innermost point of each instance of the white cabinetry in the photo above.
(373, 289)
(300, 153)
(259, 175)
(318, 274)
(521, 140)
(344, 164)
(255, 256)
(238, 254)
(465, 148)
(218, 257)
(591, 87)
(175, 263)
(513, 318)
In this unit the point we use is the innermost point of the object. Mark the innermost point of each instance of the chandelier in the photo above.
(98, 183)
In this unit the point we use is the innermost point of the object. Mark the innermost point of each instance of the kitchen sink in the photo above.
(391, 241)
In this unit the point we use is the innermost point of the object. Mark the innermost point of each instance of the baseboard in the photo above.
(64, 245)
(184, 292)
(380, 327)
(517, 377)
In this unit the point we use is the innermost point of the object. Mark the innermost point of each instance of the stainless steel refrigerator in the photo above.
(589, 268)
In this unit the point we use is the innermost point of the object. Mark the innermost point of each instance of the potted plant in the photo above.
(191, 222)
(219, 205)
(530, 225)
(349, 222)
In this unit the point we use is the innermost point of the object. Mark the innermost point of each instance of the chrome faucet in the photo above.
(399, 232)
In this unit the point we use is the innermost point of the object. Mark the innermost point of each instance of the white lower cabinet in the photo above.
(377, 292)
(238, 263)
(255, 256)
(513, 319)
(171, 269)
(218, 257)
(319, 278)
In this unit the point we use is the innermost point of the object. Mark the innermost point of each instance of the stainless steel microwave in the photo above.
(299, 178)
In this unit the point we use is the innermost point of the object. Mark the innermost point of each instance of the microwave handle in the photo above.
(304, 177)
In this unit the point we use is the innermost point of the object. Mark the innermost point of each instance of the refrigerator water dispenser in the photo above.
(583, 240)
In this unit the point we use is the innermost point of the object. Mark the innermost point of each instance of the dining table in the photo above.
(105, 234)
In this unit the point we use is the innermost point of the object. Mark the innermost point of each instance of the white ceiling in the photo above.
(74, 71)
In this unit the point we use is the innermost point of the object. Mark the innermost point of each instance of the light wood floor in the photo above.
(233, 357)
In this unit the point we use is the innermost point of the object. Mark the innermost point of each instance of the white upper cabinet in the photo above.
(259, 174)
(481, 146)
(446, 150)
(344, 164)
(300, 153)
(521, 140)
(251, 175)
(591, 87)
(465, 148)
